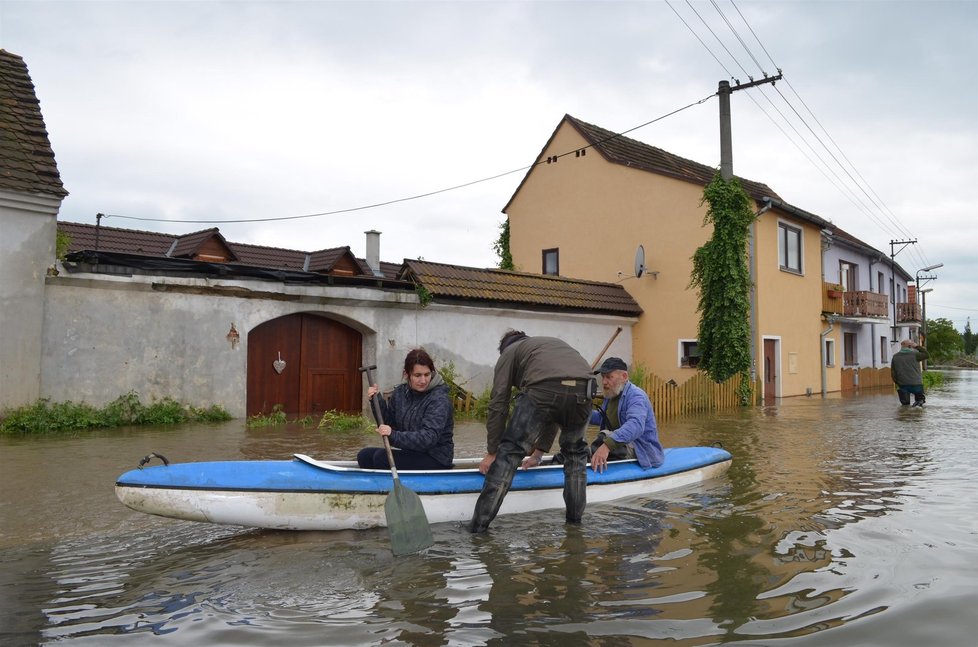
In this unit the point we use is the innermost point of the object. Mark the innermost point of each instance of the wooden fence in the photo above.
(698, 394)
(857, 379)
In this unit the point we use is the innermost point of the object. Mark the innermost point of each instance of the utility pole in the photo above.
(903, 244)
(726, 141)
(726, 172)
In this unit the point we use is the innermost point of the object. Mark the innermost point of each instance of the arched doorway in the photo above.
(306, 363)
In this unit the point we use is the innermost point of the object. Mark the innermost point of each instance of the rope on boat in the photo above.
(148, 457)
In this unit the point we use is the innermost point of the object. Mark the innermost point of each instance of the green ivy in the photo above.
(501, 246)
(721, 274)
(62, 242)
(424, 295)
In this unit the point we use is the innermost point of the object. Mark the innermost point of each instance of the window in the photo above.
(881, 282)
(848, 275)
(789, 247)
(689, 354)
(830, 352)
(884, 344)
(551, 261)
(849, 348)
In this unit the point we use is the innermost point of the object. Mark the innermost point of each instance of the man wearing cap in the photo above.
(626, 420)
(553, 381)
(905, 371)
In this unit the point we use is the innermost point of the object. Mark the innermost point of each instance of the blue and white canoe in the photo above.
(308, 494)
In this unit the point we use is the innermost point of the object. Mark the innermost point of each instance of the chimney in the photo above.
(373, 251)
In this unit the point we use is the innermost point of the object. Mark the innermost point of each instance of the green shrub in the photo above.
(45, 416)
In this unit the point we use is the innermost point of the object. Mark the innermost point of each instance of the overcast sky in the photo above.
(214, 111)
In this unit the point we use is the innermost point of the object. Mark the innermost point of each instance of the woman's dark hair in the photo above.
(509, 337)
(418, 356)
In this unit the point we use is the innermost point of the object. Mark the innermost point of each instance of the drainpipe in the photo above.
(373, 252)
(752, 272)
(822, 353)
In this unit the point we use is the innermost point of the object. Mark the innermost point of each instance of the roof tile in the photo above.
(26, 159)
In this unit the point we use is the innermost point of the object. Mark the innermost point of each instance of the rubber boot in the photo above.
(575, 480)
(494, 490)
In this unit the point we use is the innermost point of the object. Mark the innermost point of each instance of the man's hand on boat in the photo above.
(487, 463)
(599, 460)
(533, 460)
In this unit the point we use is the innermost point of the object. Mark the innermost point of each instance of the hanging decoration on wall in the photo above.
(279, 364)
(233, 337)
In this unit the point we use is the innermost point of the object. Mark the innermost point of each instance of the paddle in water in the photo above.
(407, 522)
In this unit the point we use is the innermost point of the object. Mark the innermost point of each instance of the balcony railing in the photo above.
(832, 298)
(861, 303)
(908, 313)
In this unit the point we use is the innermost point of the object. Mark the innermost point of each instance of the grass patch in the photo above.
(330, 421)
(336, 421)
(45, 416)
(932, 379)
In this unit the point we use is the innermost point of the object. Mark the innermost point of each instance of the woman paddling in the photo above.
(418, 417)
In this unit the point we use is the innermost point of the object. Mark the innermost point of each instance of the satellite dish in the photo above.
(639, 261)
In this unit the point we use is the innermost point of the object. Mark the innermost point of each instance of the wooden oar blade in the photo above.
(406, 521)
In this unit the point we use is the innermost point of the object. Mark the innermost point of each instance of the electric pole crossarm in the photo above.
(751, 84)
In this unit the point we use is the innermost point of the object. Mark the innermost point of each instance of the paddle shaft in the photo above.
(606, 347)
(379, 417)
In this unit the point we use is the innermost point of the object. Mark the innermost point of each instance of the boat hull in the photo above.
(305, 494)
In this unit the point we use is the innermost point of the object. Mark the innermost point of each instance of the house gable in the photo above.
(619, 149)
(208, 246)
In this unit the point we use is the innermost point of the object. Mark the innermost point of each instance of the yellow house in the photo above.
(594, 198)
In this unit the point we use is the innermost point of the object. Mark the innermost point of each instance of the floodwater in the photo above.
(846, 521)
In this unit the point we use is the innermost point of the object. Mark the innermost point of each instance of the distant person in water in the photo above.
(418, 420)
(906, 373)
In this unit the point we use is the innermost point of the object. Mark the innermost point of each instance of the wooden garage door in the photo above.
(321, 359)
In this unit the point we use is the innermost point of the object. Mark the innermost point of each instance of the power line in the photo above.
(375, 205)
(860, 184)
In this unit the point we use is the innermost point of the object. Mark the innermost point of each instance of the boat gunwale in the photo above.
(423, 481)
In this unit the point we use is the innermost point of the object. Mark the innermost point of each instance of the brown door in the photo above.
(319, 362)
(770, 370)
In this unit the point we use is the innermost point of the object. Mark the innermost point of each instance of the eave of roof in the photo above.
(625, 151)
(458, 283)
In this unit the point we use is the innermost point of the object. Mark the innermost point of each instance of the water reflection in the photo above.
(844, 521)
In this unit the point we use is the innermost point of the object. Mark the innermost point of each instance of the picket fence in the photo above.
(698, 394)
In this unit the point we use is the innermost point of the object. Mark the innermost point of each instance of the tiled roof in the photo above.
(114, 239)
(325, 259)
(149, 243)
(259, 256)
(520, 289)
(444, 282)
(26, 159)
(630, 152)
(189, 245)
(389, 270)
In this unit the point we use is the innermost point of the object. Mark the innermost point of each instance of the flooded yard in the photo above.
(845, 521)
